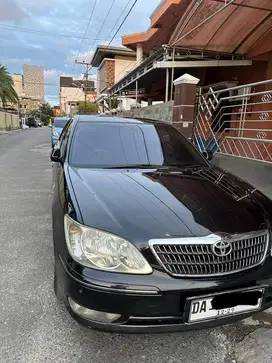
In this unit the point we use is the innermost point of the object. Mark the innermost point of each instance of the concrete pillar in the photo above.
(184, 103)
(139, 53)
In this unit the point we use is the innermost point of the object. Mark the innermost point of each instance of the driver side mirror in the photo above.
(55, 155)
(208, 155)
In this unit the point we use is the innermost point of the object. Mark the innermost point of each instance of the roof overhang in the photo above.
(163, 22)
(203, 64)
(233, 26)
(102, 52)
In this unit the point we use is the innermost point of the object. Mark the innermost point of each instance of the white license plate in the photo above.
(202, 309)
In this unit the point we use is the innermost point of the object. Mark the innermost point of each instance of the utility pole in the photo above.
(86, 76)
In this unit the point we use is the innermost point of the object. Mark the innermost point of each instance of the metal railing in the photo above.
(236, 121)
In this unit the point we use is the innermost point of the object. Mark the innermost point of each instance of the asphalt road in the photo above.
(35, 328)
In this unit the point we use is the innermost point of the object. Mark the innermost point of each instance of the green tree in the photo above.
(112, 103)
(89, 108)
(46, 109)
(44, 112)
(7, 91)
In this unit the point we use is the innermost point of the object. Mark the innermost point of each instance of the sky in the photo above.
(24, 22)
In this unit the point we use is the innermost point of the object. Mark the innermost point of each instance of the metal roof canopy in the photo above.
(169, 58)
(210, 24)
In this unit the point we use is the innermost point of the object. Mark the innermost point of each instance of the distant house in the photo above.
(72, 91)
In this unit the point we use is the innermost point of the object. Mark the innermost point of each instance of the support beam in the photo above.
(172, 84)
(136, 94)
(245, 5)
(203, 64)
(167, 85)
(203, 22)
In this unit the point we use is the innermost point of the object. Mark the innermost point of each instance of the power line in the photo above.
(106, 18)
(41, 32)
(120, 26)
(118, 20)
(108, 13)
(41, 83)
(87, 65)
(86, 31)
(130, 10)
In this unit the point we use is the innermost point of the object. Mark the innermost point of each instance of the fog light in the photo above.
(94, 315)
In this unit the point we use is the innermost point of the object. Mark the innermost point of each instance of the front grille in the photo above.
(198, 258)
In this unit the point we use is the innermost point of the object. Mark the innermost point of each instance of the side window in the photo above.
(64, 137)
(63, 132)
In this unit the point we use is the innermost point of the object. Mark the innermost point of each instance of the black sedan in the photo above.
(149, 236)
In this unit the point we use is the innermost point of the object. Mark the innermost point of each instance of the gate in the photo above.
(235, 121)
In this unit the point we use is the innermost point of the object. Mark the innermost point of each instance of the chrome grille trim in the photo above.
(193, 256)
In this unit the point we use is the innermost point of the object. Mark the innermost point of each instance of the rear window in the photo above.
(109, 145)
(60, 122)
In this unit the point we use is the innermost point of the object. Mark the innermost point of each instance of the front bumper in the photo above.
(146, 309)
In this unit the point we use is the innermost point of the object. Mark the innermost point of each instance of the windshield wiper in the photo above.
(189, 165)
(136, 166)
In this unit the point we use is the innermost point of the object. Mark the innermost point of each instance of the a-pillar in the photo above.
(184, 104)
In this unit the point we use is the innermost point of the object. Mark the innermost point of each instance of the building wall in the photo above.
(110, 73)
(18, 83)
(105, 74)
(70, 95)
(8, 121)
(34, 82)
(122, 67)
(28, 104)
(91, 96)
(56, 111)
(245, 74)
(161, 112)
(101, 77)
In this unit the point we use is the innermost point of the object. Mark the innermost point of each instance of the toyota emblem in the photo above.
(222, 248)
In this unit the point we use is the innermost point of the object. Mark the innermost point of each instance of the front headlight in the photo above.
(55, 133)
(102, 250)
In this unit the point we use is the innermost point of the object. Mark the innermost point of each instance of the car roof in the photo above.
(62, 118)
(107, 119)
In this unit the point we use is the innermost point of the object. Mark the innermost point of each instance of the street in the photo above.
(35, 328)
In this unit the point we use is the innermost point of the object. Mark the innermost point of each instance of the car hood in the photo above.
(154, 204)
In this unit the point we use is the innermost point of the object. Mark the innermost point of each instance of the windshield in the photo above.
(60, 122)
(119, 145)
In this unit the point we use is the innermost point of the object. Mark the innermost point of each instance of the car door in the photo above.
(59, 184)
